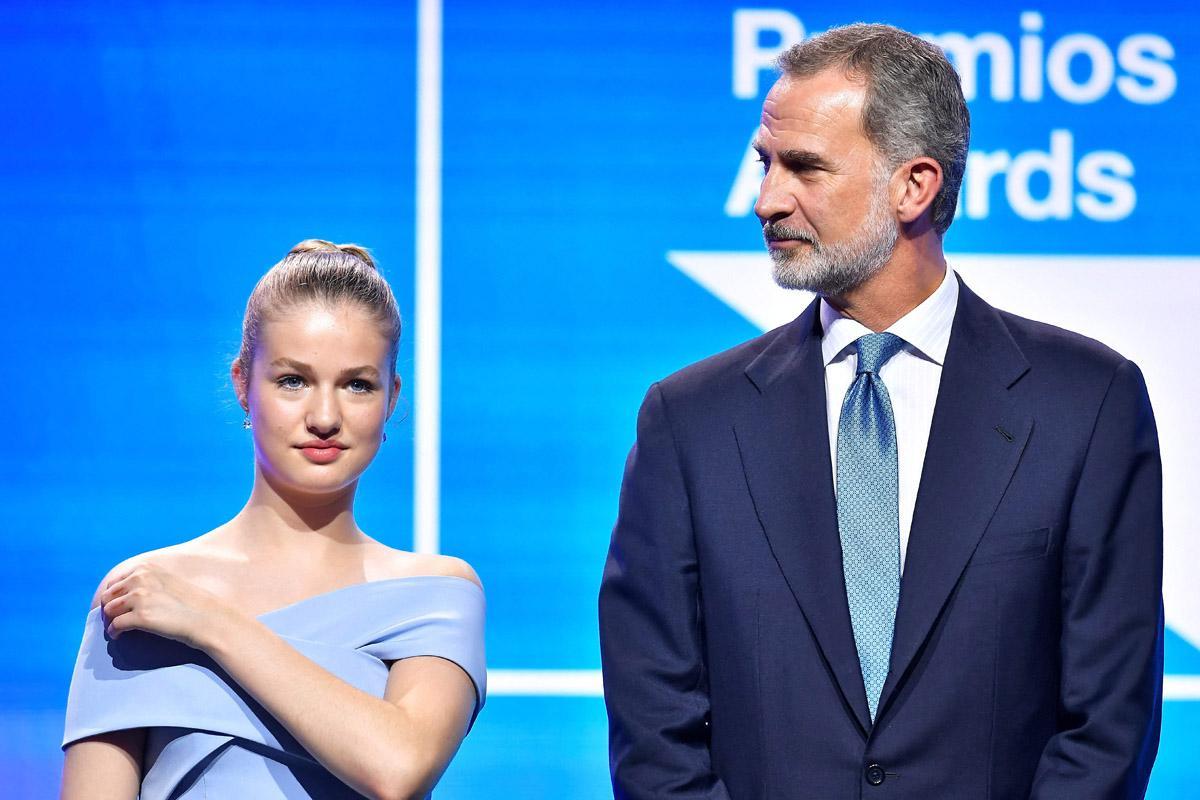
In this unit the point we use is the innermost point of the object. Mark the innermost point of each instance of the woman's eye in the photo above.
(360, 386)
(290, 382)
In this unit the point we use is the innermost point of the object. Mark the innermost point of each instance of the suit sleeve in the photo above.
(651, 631)
(1110, 693)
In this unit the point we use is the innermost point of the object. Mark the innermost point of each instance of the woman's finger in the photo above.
(117, 606)
(121, 623)
(119, 576)
(118, 588)
(112, 592)
(124, 603)
(131, 578)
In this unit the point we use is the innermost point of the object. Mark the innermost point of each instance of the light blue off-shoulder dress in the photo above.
(206, 738)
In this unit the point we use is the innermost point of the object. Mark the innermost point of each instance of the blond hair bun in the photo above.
(325, 246)
(317, 270)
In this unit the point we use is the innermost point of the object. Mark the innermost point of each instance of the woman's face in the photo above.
(318, 395)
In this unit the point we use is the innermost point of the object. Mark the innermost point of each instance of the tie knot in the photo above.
(875, 349)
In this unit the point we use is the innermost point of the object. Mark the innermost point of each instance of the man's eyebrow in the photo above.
(793, 158)
(802, 158)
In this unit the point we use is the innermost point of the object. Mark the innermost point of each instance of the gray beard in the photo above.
(833, 269)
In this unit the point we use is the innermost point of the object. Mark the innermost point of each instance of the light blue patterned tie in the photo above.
(868, 510)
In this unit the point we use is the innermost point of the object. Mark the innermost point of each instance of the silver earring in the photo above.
(246, 423)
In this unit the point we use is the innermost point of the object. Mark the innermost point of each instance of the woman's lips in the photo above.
(322, 455)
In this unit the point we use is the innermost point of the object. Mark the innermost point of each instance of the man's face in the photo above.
(824, 202)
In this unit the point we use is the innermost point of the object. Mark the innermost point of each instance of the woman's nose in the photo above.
(324, 416)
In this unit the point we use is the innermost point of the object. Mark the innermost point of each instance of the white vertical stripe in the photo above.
(427, 411)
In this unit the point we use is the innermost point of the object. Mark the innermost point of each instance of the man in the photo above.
(906, 546)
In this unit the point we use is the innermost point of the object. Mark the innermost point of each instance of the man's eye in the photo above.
(290, 382)
(360, 386)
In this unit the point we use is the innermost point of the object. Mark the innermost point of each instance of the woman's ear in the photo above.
(240, 379)
(394, 395)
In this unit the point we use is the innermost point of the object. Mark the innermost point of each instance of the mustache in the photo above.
(779, 232)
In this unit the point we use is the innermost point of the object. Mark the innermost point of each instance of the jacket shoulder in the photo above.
(724, 371)
(1065, 352)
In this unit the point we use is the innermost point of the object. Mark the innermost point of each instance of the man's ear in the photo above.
(922, 180)
(240, 380)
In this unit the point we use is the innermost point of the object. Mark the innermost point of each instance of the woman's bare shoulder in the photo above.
(179, 556)
(393, 563)
(128, 565)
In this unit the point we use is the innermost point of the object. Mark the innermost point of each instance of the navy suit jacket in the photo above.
(1027, 657)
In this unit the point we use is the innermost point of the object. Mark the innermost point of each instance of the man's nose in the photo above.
(774, 200)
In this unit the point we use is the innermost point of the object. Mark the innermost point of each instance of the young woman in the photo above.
(286, 654)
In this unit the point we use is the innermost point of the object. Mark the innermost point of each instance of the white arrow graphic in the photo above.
(1145, 307)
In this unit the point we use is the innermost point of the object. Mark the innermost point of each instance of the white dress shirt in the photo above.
(911, 376)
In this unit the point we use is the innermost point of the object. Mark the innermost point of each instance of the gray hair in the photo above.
(914, 103)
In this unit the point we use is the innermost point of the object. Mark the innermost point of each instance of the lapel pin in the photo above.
(1007, 436)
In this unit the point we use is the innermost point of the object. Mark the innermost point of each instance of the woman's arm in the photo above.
(107, 766)
(104, 767)
(394, 747)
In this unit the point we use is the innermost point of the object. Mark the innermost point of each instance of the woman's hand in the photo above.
(147, 597)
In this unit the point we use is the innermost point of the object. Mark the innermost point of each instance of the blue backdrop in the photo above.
(596, 234)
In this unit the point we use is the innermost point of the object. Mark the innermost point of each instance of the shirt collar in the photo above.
(926, 328)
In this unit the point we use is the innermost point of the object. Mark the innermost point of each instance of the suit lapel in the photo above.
(975, 441)
(783, 440)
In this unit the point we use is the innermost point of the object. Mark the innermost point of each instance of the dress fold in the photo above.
(206, 735)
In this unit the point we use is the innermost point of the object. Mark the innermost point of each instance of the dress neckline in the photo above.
(362, 584)
(98, 610)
